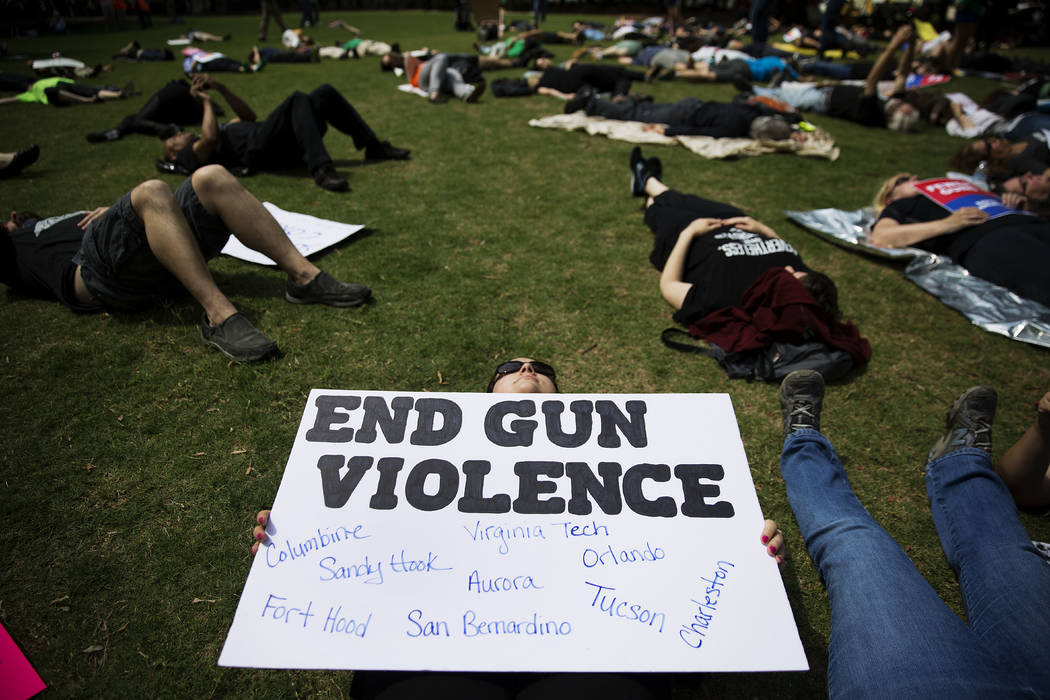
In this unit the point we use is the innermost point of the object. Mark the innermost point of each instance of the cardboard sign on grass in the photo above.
(515, 532)
(308, 234)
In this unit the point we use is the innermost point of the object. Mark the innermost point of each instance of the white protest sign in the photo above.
(308, 234)
(514, 532)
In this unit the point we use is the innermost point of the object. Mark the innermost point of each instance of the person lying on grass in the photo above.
(291, 136)
(520, 375)
(154, 244)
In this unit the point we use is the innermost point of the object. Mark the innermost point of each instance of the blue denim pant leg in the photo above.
(801, 96)
(891, 635)
(1004, 582)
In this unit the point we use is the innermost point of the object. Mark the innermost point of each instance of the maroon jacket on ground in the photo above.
(778, 308)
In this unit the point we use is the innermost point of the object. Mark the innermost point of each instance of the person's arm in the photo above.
(904, 33)
(966, 124)
(91, 216)
(1025, 467)
(205, 146)
(904, 67)
(746, 223)
(239, 106)
(551, 92)
(890, 233)
(672, 286)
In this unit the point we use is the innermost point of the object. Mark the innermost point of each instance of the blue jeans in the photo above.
(891, 635)
(802, 96)
(437, 77)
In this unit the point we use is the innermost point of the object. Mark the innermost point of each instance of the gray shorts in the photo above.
(117, 265)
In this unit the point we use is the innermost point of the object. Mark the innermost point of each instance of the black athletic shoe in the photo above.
(642, 169)
(656, 168)
(238, 339)
(477, 92)
(384, 150)
(328, 179)
(325, 289)
(103, 136)
(22, 160)
(969, 423)
(801, 397)
(579, 101)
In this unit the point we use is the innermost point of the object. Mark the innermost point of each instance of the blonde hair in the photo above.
(882, 195)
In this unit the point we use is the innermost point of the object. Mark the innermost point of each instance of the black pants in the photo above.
(293, 133)
(671, 212)
(1017, 258)
(386, 685)
(172, 104)
(652, 112)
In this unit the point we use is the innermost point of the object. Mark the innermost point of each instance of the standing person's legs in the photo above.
(1004, 582)
(828, 23)
(891, 635)
(331, 107)
(759, 17)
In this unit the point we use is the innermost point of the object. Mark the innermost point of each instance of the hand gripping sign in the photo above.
(954, 195)
(477, 532)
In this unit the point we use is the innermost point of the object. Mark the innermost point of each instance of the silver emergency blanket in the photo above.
(987, 305)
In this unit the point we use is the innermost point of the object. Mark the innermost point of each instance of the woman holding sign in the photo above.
(992, 241)
(519, 375)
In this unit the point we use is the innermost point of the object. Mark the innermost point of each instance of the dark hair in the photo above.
(967, 159)
(824, 291)
(394, 59)
(19, 218)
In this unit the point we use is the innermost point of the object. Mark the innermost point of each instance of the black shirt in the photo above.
(920, 209)
(721, 265)
(40, 264)
(850, 102)
(1035, 158)
(716, 119)
(601, 78)
(235, 141)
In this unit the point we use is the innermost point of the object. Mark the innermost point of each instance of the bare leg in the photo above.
(654, 188)
(249, 222)
(1025, 467)
(174, 246)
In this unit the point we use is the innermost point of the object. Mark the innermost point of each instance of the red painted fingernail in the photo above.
(765, 538)
(259, 536)
(780, 559)
(261, 520)
(772, 550)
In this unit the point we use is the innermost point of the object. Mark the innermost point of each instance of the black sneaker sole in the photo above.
(253, 357)
(339, 303)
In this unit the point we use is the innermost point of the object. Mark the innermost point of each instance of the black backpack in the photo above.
(772, 363)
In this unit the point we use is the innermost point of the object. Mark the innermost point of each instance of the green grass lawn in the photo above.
(133, 458)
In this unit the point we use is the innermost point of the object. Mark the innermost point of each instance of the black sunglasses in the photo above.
(901, 180)
(515, 366)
